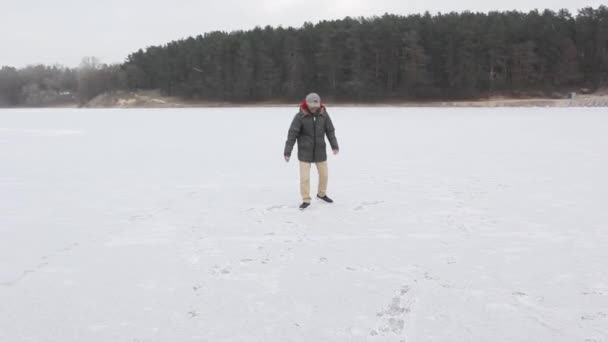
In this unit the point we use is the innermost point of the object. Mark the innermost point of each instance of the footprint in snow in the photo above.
(275, 207)
(392, 318)
(592, 317)
(364, 205)
(218, 271)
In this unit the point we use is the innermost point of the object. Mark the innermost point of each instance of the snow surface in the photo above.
(181, 225)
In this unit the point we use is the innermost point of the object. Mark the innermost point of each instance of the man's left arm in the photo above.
(330, 131)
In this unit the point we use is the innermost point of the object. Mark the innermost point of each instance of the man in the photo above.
(309, 128)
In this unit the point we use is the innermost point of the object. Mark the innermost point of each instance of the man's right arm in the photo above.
(292, 136)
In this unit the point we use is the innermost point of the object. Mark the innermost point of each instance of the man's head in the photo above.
(313, 101)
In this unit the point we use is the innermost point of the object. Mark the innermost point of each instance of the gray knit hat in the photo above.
(313, 100)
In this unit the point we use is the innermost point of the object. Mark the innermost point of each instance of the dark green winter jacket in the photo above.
(310, 130)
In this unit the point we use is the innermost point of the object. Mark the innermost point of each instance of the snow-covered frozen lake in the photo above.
(182, 225)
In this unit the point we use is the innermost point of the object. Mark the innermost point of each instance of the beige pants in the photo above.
(305, 179)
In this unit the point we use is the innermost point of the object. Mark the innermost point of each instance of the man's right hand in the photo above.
(286, 159)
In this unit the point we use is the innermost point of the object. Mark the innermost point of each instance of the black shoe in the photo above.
(326, 199)
(304, 205)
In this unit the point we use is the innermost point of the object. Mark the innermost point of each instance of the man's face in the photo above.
(314, 108)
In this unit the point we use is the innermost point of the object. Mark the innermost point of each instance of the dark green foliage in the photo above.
(446, 56)
(37, 86)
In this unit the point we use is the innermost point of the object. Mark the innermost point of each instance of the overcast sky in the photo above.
(63, 31)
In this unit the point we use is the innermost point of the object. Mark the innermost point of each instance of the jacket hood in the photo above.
(304, 108)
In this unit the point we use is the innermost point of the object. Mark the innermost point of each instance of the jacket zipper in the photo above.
(314, 136)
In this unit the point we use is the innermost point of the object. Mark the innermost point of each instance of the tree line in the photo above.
(416, 57)
(42, 86)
